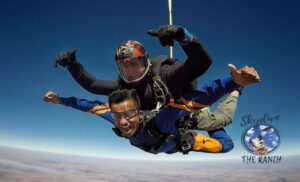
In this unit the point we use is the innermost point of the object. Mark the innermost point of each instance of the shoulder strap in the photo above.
(149, 124)
(157, 62)
(160, 88)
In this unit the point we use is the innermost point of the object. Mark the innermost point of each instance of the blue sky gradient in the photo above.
(263, 34)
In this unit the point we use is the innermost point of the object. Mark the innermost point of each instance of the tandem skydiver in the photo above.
(166, 131)
(157, 81)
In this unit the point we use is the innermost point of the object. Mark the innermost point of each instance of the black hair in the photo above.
(121, 95)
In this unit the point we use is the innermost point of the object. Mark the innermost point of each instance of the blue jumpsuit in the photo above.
(166, 119)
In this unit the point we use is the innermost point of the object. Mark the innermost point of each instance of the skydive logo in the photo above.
(265, 119)
(261, 140)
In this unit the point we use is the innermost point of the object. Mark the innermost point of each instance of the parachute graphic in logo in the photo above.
(260, 139)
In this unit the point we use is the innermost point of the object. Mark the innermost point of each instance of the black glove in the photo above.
(186, 140)
(65, 58)
(167, 33)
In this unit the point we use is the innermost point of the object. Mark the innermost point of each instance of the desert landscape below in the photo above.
(18, 165)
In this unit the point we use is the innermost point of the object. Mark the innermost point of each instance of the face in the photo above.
(132, 68)
(126, 117)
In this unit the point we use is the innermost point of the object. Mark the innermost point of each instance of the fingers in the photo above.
(166, 41)
(72, 55)
(162, 42)
(250, 73)
(232, 69)
(164, 34)
(153, 33)
(49, 96)
(172, 29)
(63, 55)
(60, 59)
(65, 58)
(46, 97)
(244, 76)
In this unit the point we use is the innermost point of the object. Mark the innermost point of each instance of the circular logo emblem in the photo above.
(260, 139)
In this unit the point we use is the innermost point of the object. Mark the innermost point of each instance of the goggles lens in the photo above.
(132, 68)
(135, 60)
(129, 114)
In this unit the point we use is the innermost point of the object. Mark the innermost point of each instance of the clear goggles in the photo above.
(129, 114)
(140, 65)
(138, 61)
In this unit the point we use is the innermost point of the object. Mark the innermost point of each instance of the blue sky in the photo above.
(263, 34)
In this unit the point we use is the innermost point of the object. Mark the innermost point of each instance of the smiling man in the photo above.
(125, 110)
(156, 133)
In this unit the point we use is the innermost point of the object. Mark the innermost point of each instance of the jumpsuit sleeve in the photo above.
(198, 60)
(212, 92)
(196, 64)
(90, 82)
(94, 107)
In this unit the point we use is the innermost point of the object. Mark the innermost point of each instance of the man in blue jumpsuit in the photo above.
(162, 133)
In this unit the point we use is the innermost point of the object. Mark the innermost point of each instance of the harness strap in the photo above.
(160, 89)
(153, 131)
(156, 148)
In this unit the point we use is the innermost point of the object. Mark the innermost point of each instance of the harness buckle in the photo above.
(185, 147)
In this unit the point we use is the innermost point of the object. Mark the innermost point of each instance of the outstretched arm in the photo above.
(94, 107)
(212, 92)
(83, 77)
